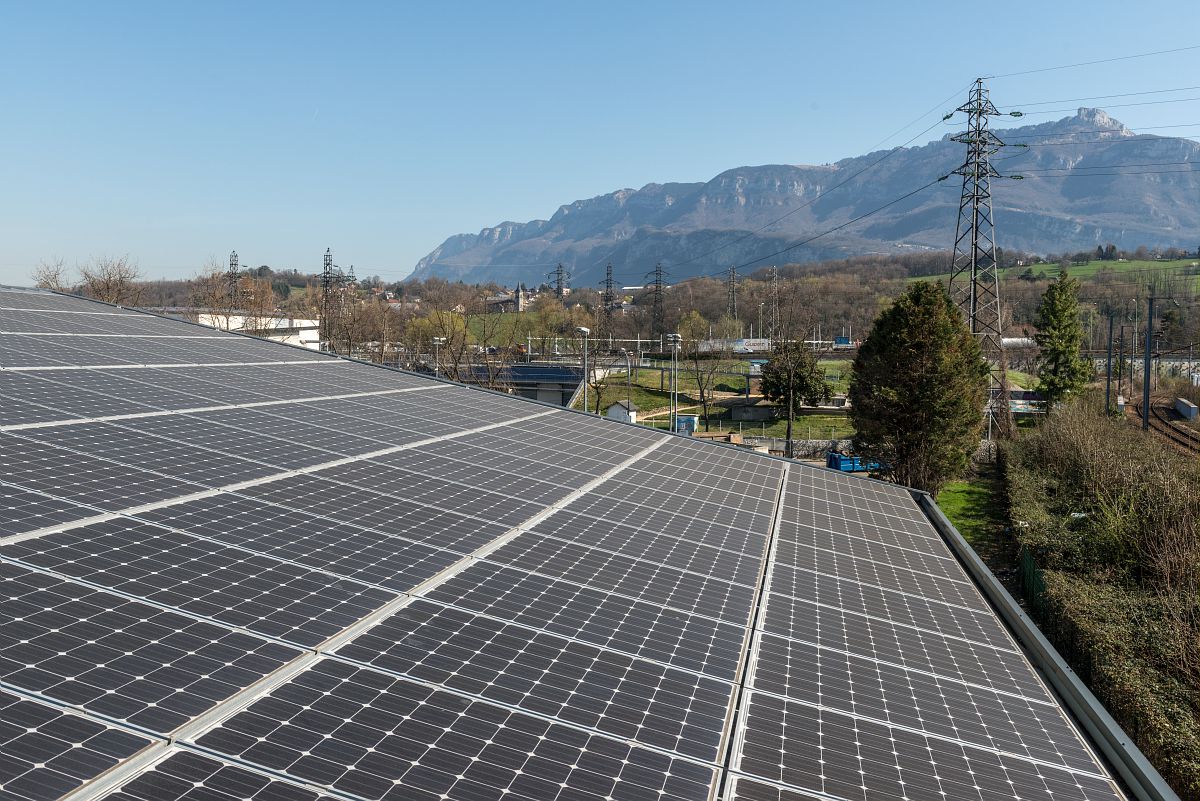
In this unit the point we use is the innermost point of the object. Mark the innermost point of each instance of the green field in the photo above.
(1090, 270)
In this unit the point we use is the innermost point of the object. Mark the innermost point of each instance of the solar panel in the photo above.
(231, 569)
(46, 752)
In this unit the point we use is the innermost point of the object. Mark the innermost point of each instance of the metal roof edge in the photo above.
(1122, 754)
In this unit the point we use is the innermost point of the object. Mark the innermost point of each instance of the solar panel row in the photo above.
(326, 580)
(880, 672)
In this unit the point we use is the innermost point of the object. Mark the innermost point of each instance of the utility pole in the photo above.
(326, 296)
(974, 281)
(1108, 369)
(774, 303)
(1146, 361)
(657, 316)
(608, 299)
(731, 293)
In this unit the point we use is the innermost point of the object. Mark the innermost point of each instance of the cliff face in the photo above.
(1087, 180)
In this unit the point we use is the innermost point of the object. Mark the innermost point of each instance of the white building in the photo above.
(624, 411)
(292, 330)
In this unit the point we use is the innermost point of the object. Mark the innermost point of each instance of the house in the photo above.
(624, 411)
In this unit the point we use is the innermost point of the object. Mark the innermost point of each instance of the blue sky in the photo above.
(176, 131)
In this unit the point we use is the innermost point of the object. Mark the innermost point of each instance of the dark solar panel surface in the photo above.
(506, 601)
(46, 752)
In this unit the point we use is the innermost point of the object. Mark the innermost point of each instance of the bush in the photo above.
(1110, 518)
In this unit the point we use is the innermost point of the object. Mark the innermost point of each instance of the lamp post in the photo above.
(584, 333)
(673, 416)
(437, 362)
(760, 310)
(628, 384)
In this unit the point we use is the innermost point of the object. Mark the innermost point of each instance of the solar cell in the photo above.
(679, 521)
(14, 298)
(651, 545)
(121, 658)
(172, 458)
(792, 591)
(354, 553)
(881, 574)
(852, 758)
(205, 578)
(614, 573)
(91, 393)
(187, 776)
(865, 688)
(81, 479)
(24, 510)
(613, 693)
(46, 752)
(376, 736)
(618, 623)
(909, 556)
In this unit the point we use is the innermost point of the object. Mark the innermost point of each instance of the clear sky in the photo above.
(175, 132)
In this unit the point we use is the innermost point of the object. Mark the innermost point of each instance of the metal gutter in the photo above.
(1140, 777)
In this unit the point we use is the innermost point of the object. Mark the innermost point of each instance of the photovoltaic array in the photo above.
(230, 569)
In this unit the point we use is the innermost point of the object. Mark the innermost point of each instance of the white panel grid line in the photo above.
(929, 734)
(254, 482)
(947, 556)
(881, 587)
(736, 727)
(241, 700)
(980, 643)
(216, 408)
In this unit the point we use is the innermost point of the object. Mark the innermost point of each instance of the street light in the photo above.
(584, 333)
(673, 416)
(760, 328)
(628, 384)
(437, 344)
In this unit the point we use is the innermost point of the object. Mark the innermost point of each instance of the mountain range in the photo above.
(1086, 180)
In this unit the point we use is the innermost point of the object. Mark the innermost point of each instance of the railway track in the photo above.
(1183, 438)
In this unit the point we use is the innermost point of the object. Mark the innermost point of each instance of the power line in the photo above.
(1117, 105)
(836, 228)
(836, 186)
(1099, 97)
(1101, 174)
(1101, 131)
(1129, 140)
(1097, 61)
(1109, 166)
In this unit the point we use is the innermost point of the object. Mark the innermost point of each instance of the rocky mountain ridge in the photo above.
(1077, 190)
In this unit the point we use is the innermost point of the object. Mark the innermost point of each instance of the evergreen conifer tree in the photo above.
(919, 390)
(1062, 371)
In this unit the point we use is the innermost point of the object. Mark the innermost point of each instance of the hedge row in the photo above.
(1107, 521)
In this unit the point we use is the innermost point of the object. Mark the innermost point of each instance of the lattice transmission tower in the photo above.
(608, 299)
(231, 279)
(328, 281)
(657, 311)
(731, 293)
(974, 281)
(560, 276)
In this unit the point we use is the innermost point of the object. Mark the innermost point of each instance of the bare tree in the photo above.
(51, 275)
(210, 294)
(112, 280)
(706, 358)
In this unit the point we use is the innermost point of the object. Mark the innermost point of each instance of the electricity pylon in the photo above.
(731, 294)
(657, 313)
(974, 282)
(607, 300)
